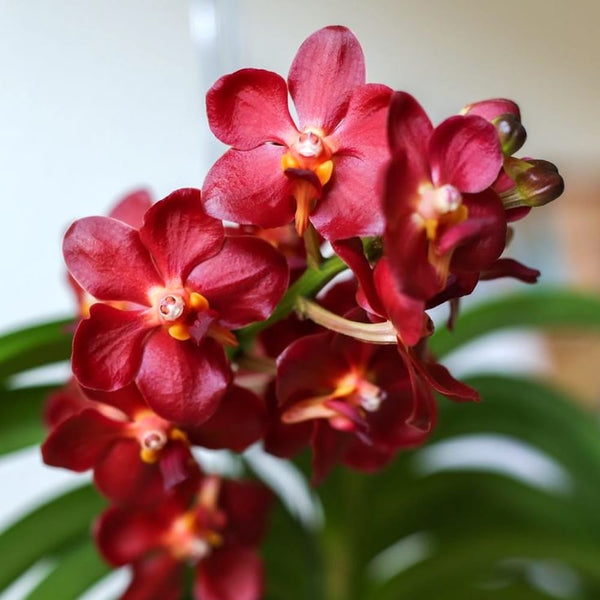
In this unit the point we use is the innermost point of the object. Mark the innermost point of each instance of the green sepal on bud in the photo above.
(537, 182)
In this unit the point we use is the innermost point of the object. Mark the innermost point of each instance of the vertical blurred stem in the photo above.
(343, 535)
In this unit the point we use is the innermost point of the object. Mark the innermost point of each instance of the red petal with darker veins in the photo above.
(179, 234)
(183, 382)
(239, 421)
(351, 252)
(157, 576)
(123, 478)
(107, 347)
(64, 403)
(125, 534)
(350, 205)
(327, 68)
(131, 208)
(364, 128)
(249, 108)
(482, 246)
(244, 282)
(127, 399)
(249, 187)
(409, 128)
(107, 258)
(80, 441)
(230, 573)
(440, 379)
(407, 314)
(405, 239)
(465, 152)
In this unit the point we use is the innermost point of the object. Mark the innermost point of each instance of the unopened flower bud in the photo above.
(539, 184)
(511, 132)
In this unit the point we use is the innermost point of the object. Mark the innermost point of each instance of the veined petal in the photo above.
(131, 208)
(405, 238)
(127, 399)
(125, 534)
(407, 314)
(479, 251)
(409, 127)
(80, 441)
(508, 267)
(239, 421)
(244, 282)
(182, 382)
(364, 128)
(465, 152)
(179, 234)
(107, 258)
(249, 187)
(350, 205)
(107, 347)
(124, 478)
(230, 573)
(328, 66)
(156, 576)
(249, 108)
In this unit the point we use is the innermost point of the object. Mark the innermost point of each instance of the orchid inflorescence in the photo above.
(193, 333)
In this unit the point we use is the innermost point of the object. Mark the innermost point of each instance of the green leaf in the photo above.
(49, 529)
(77, 569)
(538, 308)
(21, 417)
(35, 346)
(292, 559)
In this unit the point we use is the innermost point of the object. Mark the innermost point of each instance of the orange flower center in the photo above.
(308, 153)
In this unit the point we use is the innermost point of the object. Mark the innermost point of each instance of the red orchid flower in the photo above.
(358, 397)
(190, 287)
(216, 530)
(325, 169)
(441, 214)
(137, 455)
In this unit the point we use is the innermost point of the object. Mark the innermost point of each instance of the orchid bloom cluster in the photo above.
(193, 333)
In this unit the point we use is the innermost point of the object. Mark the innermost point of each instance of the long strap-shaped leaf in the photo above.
(21, 417)
(35, 346)
(77, 569)
(47, 530)
(538, 308)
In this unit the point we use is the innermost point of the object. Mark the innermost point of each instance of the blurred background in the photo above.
(102, 97)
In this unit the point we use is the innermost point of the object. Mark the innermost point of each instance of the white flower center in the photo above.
(171, 307)
(154, 440)
(309, 145)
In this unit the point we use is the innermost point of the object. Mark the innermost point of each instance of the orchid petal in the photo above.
(328, 66)
(465, 152)
(363, 130)
(250, 188)
(405, 238)
(409, 127)
(123, 478)
(350, 207)
(244, 282)
(156, 576)
(107, 347)
(131, 208)
(249, 108)
(182, 382)
(107, 258)
(80, 441)
(231, 573)
(239, 421)
(179, 234)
